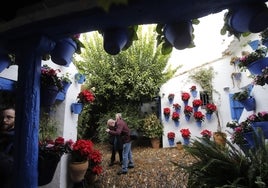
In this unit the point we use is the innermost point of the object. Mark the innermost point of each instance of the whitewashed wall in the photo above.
(223, 70)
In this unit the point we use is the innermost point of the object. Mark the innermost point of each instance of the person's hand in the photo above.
(107, 130)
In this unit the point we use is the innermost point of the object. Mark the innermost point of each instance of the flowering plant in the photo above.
(249, 58)
(234, 60)
(50, 77)
(188, 110)
(171, 135)
(206, 133)
(232, 124)
(57, 147)
(197, 102)
(83, 150)
(192, 88)
(175, 116)
(262, 78)
(171, 96)
(167, 111)
(210, 108)
(237, 136)
(185, 96)
(199, 116)
(185, 133)
(176, 106)
(260, 116)
(85, 96)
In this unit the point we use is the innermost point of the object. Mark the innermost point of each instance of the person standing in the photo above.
(117, 146)
(124, 131)
(7, 134)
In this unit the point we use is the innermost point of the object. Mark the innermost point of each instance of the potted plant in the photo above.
(188, 110)
(186, 135)
(171, 97)
(51, 85)
(50, 152)
(245, 99)
(153, 128)
(176, 117)
(264, 37)
(66, 83)
(84, 97)
(262, 78)
(177, 107)
(167, 113)
(193, 91)
(254, 61)
(206, 134)
(219, 136)
(197, 103)
(259, 120)
(199, 117)
(179, 145)
(210, 109)
(185, 98)
(171, 137)
(84, 157)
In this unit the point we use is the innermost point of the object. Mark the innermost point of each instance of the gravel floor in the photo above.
(153, 168)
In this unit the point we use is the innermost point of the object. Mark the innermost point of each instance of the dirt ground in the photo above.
(153, 168)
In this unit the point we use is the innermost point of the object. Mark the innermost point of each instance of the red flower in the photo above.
(193, 88)
(210, 108)
(185, 96)
(175, 116)
(197, 102)
(167, 111)
(85, 96)
(176, 106)
(199, 116)
(171, 135)
(185, 133)
(188, 110)
(206, 133)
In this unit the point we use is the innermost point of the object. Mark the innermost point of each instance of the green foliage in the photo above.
(227, 167)
(47, 127)
(242, 95)
(152, 126)
(121, 81)
(204, 78)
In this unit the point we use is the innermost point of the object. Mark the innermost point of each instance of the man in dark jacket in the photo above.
(7, 132)
(124, 131)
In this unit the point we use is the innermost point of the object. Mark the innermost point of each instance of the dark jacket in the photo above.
(122, 130)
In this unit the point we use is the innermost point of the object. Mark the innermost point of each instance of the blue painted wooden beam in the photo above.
(28, 56)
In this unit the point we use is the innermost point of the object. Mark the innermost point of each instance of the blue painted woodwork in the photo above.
(6, 84)
(236, 108)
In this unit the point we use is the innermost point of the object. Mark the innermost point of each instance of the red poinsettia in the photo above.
(206, 133)
(185, 96)
(176, 106)
(185, 133)
(210, 108)
(175, 116)
(193, 88)
(167, 111)
(171, 135)
(85, 96)
(197, 102)
(199, 116)
(188, 110)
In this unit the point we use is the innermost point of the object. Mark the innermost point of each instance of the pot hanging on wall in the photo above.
(48, 95)
(63, 52)
(4, 62)
(114, 40)
(179, 34)
(249, 18)
(257, 66)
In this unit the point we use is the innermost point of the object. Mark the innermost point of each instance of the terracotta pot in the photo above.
(78, 170)
(179, 146)
(155, 143)
(220, 138)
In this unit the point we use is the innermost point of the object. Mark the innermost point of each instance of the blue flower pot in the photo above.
(194, 93)
(263, 125)
(171, 142)
(256, 67)
(177, 123)
(77, 108)
(48, 95)
(4, 62)
(208, 116)
(186, 141)
(249, 104)
(187, 117)
(63, 52)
